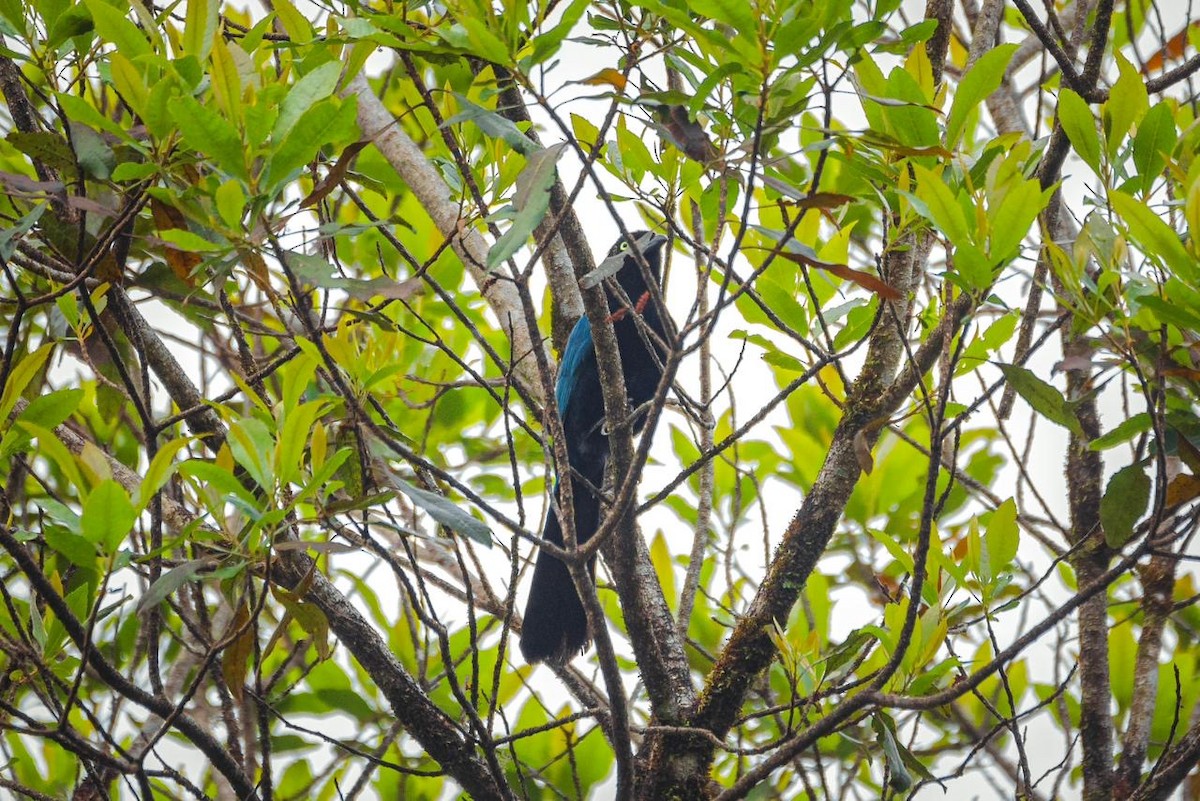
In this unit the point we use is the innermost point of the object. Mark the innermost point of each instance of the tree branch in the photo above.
(378, 124)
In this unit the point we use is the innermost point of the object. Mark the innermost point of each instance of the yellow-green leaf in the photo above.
(108, 515)
(1079, 124)
(1154, 236)
(977, 85)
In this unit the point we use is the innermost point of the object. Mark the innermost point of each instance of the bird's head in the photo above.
(622, 263)
(650, 245)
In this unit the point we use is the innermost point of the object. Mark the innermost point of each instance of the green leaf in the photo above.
(445, 511)
(709, 83)
(1127, 102)
(1154, 236)
(108, 515)
(52, 448)
(493, 125)
(200, 27)
(114, 27)
(206, 131)
(320, 480)
(293, 439)
(1012, 218)
(1165, 311)
(313, 87)
(171, 581)
(251, 444)
(584, 131)
(532, 201)
(1125, 431)
(162, 466)
(51, 410)
(1155, 138)
(19, 378)
(298, 28)
(187, 241)
(941, 207)
(330, 120)
(660, 557)
(77, 550)
(79, 110)
(37, 626)
(231, 203)
(1079, 124)
(738, 14)
(977, 85)
(75, 21)
(547, 44)
(226, 81)
(1000, 541)
(296, 377)
(216, 478)
(899, 779)
(159, 106)
(784, 304)
(10, 236)
(45, 412)
(1045, 399)
(483, 42)
(1125, 500)
(45, 146)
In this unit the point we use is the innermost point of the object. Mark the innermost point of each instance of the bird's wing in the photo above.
(577, 352)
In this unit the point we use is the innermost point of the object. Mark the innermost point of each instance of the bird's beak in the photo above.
(651, 242)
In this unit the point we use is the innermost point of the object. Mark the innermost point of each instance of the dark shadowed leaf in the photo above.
(444, 511)
(1045, 399)
(532, 200)
(899, 778)
(493, 125)
(1125, 500)
(170, 581)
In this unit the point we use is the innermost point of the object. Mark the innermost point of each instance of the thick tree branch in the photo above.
(163, 707)
(1158, 579)
(423, 720)
(378, 124)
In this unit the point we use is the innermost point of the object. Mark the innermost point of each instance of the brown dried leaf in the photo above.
(257, 269)
(608, 76)
(1075, 362)
(90, 206)
(823, 200)
(689, 136)
(235, 661)
(1173, 49)
(17, 183)
(181, 262)
(1183, 488)
(846, 273)
(335, 175)
(862, 452)
(319, 547)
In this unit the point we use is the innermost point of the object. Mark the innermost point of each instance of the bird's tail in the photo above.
(555, 626)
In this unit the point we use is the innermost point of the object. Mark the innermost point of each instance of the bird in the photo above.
(555, 628)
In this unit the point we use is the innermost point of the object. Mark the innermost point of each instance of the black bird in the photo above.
(555, 627)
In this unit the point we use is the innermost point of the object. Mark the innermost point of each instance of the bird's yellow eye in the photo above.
(624, 245)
